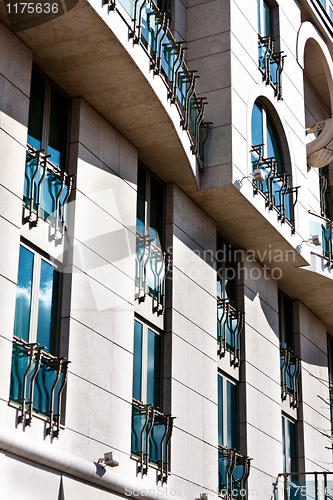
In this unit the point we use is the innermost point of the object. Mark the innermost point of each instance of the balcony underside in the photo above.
(82, 54)
(245, 227)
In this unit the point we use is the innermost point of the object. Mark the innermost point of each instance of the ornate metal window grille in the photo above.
(38, 379)
(152, 268)
(270, 64)
(290, 372)
(314, 485)
(150, 28)
(151, 437)
(279, 195)
(234, 470)
(230, 323)
(41, 175)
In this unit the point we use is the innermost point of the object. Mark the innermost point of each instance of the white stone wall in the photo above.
(191, 335)
(15, 70)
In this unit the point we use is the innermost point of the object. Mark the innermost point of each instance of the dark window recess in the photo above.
(233, 468)
(151, 428)
(230, 320)
(47, 184)
(290, 365)
(152, 263)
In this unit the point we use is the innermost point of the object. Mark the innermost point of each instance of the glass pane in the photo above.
(138, 421)
(223, 466)
(257, 133)
(156, 211)
(273, 146)
(36, 110)
(220, 409)
(258, 13)
(58, 128)
(141, 196)
(232, 427)
(292, 447)
(23, 294)
(137, 360)
(283, 445)
(48, 307)
(46, 377)
(155, 441)
(20, 363)
(267, 19)
(154, 369)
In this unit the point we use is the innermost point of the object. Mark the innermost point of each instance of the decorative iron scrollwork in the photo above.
(290, 372)
(153, 430)
(229, 460)
(269, 59)
(231, 320)
(167, 60)
(41, 169)
(153, 266)
(279, 195)
(53, 377)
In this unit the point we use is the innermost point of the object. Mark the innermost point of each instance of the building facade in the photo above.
(166, 275)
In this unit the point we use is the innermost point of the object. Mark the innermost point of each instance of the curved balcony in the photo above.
(320, 150)
(122, 58)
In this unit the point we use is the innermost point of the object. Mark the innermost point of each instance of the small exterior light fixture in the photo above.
(257, 175)
(314, 240)
(110, 459)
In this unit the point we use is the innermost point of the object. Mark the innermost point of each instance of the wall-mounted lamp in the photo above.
(257, 175)
(314, 240)
(110, 459)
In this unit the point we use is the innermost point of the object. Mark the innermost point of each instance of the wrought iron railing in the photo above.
(151, 437)
(230, 323)
(323, 184)
(152, 268)
(290, 367)
(234, 470)
(37, 385)
(46, 191)
(149, 27)
(304, 485)
(279, 195)
(270, 64)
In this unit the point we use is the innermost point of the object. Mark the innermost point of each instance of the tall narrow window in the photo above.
(229, 318)
(267, 155)
(289, 450)
(151, 429)
(289, 363)
(151, 261)
(264, 18)
(38, 374)
(233, 468)
(47, 185)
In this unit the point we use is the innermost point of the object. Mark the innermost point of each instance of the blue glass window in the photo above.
(289, 449)
(227, 413)
(23, 294)
(34, 272)
(36, 321)
(47, 131)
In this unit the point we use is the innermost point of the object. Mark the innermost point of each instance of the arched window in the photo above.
(267, 155)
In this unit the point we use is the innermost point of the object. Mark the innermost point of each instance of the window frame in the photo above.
(147, 201)
(38, 256)
(49, 84)
(283, 335)
(223, 416)
(286, 439)
(144, 360)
